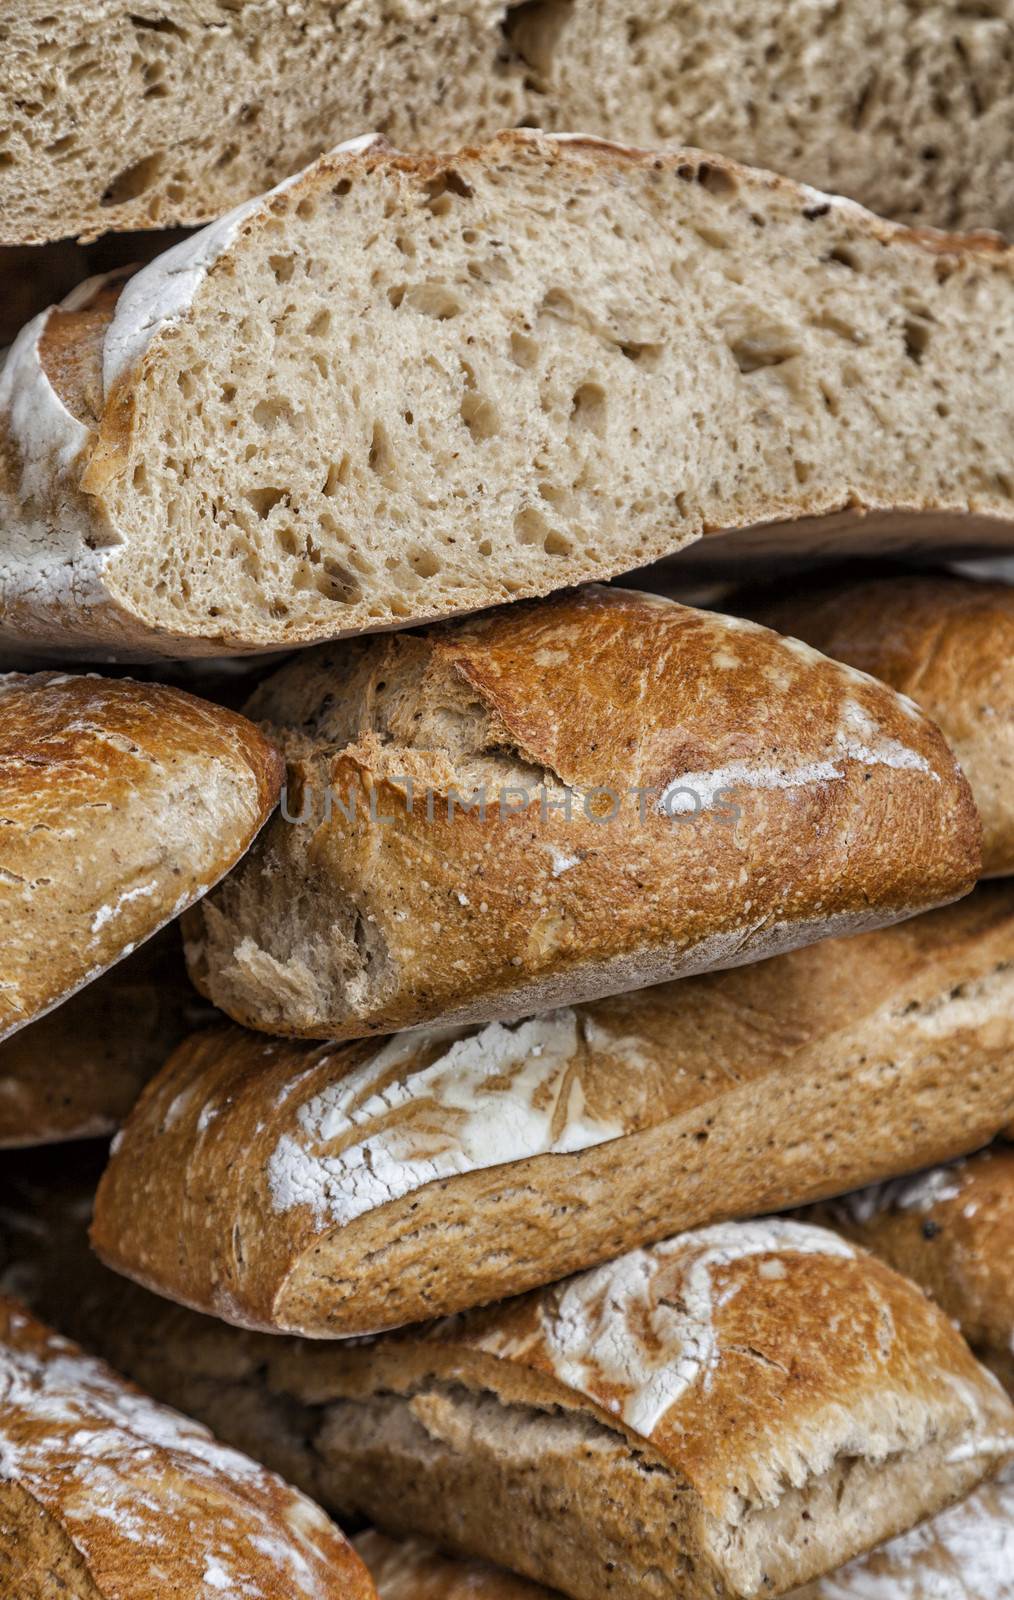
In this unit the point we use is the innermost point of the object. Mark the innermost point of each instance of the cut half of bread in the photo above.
(399, 387)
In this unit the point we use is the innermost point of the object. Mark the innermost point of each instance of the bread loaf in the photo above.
(120, 118)
(386, 392)
(123, 802)
(104, 1494)
(341, 1189)
(948, 642)
(950, 1228)
(565, 800)
(408, 1569)
(678, 1422)
(76, 1073)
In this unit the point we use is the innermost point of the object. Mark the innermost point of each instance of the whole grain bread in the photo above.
(124, 117)
(333, 1190)
(286, 1401)
(122, 803)
(951, 1228)
(565, 800)
(947, 641)
(401, 387)
(76, 1072)
(104, 1494)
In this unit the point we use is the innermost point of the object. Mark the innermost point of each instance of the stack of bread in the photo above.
(506, 822)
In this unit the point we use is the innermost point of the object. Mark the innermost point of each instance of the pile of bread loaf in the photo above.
(506, 800)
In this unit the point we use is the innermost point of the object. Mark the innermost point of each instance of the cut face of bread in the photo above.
(400, 387)
(123, 802)
(946, 641)
(677, 1423)
(104, 1493)
(951, 1228)
(566, 800)
(334, 1190)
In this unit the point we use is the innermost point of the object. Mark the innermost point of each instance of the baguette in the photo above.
(386, 393)
(950, 1228)
(119, 118)
(104, 1494)
(666, 791)
(283, 1400)
(343, 1189)
(76, 1073)
(946, 641)
(123, 802)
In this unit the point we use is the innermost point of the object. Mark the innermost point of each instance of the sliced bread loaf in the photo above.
(400, 387)
(564, 800)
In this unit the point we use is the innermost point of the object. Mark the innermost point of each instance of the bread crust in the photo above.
(946, 641)
(104, 1492)
(124, 801)
(951, 1229)
(338, 1190)
(641, 716)
(65, 577)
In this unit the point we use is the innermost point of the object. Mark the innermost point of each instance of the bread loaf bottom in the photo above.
(103, 1493)
(950, 1228)
(342, 1189)
(402, 387)
(120, 120)
(947, 641)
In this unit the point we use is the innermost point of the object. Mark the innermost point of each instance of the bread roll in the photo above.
(948, 642)
(341, 1189)
(950, 1228)
(666, 791)
(104, 1494)
(385, 393)
(124, 119)
(76, 1073)
(729, 1413)
(123, 802)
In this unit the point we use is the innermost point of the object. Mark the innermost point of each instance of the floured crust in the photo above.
(847, 810)
(124, 802)
(951, 1229)
(69, 557)
(341, 1189)
(103, 1487)
(946, 641)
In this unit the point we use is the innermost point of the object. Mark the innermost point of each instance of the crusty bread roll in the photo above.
(76, 1072)
(945, 640)
(666, 791)
(123, 802)
(341, 1189)
(681, 1422)
(120, 117)
(104, 1494)
(950, 1228)
(964, 1553)
(402, 387)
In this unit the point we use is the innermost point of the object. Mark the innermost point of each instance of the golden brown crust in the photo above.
(123, 802)
(946, 641)
(407, 1569)
(732, 794)
(132, 1498)
(951, 1230)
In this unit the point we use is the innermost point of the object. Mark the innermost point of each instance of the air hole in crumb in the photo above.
(382, 458)
(306, 209)
(531, 527)
(524, 351)
(424, 562)
(556, 544)
(342, 188)
(283, 267)
(480, 416)
(337, 476)
(264, 501)
(716, 180)
(843, 257)
(134, 180)
(320, 324)
(917, 337)
(589, 407)
(753, 353)
(433, 300)
(645, 354)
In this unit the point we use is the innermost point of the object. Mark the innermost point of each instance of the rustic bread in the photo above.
(676, 1423)
(341, 1189)
(558, 359)
(945, 640)
(950, 1228)
(667, 791)
(276, 1398)
(76, 1073)
(105, 1494)
(117, 118)
(408, 1569)
(123, 802)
